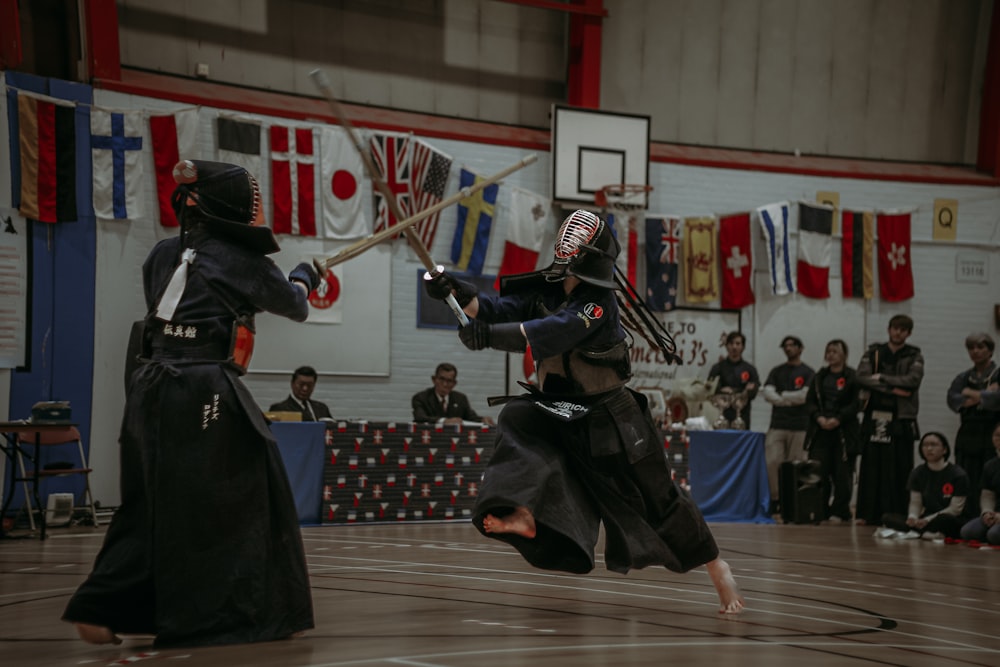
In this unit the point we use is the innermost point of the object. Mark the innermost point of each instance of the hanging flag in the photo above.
(663, 238)
(293, 180)
(529, 212)
(815, 247)
(47, 142)
(894, 260)
(239, 143)
(116, 149)
(774, 223)
(341, 179)
(623, 225)
(391, 155)
(174, 138)
(475, 217)
(736, 254)
(856, 254)
(831, 199)
(429, 171)
(700, 275)
(945, 220)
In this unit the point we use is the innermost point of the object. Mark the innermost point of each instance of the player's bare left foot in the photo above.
(520, 522)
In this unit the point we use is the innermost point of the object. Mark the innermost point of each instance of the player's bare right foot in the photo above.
(520, 522)
(730, 599)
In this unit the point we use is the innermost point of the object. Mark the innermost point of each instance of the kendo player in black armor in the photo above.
(582, 448)
(205, 548)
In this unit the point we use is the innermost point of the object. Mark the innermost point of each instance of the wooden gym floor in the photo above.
(439, 595)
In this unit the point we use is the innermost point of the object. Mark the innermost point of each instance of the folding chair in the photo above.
(31, 477)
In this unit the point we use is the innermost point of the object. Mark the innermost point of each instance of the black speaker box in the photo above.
(799, 492)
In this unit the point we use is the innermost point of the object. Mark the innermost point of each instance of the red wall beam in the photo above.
(10, 35)
(988, 158)
(584, 71)
(575, 8)
(103, 53)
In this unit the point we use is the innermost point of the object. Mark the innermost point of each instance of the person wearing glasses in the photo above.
(441, 403)
(973, 395)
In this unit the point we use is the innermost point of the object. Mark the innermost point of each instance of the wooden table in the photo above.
(10, 444)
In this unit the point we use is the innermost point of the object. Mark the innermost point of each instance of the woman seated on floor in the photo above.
(938, 490)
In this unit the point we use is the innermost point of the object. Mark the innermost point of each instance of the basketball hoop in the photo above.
(623, 197)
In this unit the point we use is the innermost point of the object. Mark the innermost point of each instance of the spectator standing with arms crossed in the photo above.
(786, 388)
(973, 395)
(891, 373)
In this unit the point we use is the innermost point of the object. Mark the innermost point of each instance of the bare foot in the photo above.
(520, 522)
(96, 634)
(730, 599)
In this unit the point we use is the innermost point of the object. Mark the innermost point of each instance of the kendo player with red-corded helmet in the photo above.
(205, 548)
(581, 448)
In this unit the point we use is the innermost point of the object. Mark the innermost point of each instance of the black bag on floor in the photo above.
(799, 492)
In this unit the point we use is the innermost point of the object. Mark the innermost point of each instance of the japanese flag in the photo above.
(340, 186)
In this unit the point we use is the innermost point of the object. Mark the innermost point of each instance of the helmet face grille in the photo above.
(255, 207)
(578, 229)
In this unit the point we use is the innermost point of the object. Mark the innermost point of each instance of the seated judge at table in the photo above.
(303, 384)
(441, 402)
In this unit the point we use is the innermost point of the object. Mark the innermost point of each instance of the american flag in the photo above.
(391, 154)
(429, 170)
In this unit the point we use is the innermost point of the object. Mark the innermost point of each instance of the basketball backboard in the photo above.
(592, 148)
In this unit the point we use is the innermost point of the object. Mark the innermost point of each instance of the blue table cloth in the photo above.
(301, 447)
(728, 476)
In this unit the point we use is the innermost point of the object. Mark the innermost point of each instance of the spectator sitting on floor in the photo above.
(938, 490)
(986, 527)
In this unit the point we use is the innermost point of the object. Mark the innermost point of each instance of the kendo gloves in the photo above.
(305, 274)
(505, 336)
(441, 284)
(476, 335)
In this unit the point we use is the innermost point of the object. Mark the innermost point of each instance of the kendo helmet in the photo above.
(225, 198)
(585, 248)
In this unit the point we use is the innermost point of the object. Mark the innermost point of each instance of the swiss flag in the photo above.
(737, 260)
(895, 264)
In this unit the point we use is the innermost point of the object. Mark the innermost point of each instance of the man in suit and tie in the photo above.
(303, 383)
(442, 402)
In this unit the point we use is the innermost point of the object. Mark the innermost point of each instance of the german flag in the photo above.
(856, 254)
(48, 159)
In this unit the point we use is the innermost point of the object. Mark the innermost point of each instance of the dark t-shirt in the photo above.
(991, 476)
(937, 487)
(789, 377)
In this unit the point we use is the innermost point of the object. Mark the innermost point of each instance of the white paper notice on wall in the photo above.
(972, 267)
(13, 287)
